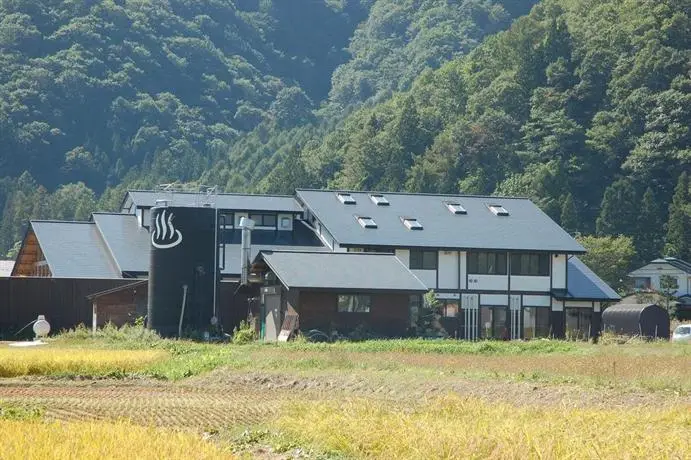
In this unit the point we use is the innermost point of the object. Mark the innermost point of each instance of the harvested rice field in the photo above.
(407, 399)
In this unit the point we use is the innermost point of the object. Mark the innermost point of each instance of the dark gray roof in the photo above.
(230, 201)
(525, 228)
(583, 284)
(674, 262)
(339, 270)
(127, 242)
(232, 259)
(74, 250)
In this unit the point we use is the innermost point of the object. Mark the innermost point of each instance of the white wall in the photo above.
(579, 304)
(559, 271)
(494, 299)
(557, 305)
(530, 283)
(488, 282)
(428, 277)
(448, 270)
(537, 300)
(404, 256)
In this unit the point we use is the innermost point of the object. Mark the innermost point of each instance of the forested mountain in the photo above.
(582, 105)
(107, 94)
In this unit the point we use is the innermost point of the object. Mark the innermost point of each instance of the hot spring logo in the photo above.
(165, 235)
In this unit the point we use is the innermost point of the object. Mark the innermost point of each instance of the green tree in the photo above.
(678, 240)
(569, 215)
(618, 210)
(668, 289)
(649, 231)
(609, 257)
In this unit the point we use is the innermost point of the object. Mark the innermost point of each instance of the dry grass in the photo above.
(15, 362)
(118, 440)
(452, 427)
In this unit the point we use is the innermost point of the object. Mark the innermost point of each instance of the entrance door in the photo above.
(271, 315)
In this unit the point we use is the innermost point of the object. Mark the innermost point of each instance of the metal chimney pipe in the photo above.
(246, 225)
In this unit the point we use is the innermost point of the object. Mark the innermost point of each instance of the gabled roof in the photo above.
(674, 262)
(583, 284)
(233, 257)
(525, 227)
(127, 242)
(341, 271)
(226, 201)
(74, 250)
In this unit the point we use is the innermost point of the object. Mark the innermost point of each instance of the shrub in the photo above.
(245, 333)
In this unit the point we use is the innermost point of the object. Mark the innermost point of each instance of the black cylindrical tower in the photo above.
(182, 269)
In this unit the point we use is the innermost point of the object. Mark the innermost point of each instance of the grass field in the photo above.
(395, 399)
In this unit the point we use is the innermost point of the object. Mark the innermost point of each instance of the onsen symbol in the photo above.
(165, 235)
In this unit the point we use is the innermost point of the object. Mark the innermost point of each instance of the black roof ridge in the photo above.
(59, 221)
(113, 213)
(441, 195)
(293, 251)
(219, 193)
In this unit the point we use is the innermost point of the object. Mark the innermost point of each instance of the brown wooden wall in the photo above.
(62, 301)
(122, 307)
(388, 315)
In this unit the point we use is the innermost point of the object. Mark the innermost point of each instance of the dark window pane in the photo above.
(416, 260)
(473, 262)
(429, 260)
(543, 265)
(501, 263)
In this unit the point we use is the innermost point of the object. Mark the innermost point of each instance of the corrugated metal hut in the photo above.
(646, 320)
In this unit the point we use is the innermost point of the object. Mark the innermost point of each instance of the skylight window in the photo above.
(366, 222)
(455, 208)
(411, 223)
(498, 210)
(345, 198)
(379, 200)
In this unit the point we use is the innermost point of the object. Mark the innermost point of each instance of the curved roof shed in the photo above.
(647, 320)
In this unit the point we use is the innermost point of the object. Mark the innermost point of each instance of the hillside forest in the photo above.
(582, 105)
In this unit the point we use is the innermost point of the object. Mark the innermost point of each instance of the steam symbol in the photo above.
(165, 236)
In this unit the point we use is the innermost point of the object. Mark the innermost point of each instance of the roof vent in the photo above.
(379, 200)
(366, 222)
(411, 223)
(455, 208)
(345, 198)
(498, 210)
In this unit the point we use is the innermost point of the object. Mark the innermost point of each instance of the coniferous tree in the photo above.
(569, 215)
(648, 237)
(618, 210)
(678, 241)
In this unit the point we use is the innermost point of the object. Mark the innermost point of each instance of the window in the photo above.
(498, 209)
(354, 303)
(493, 323)
(366, 222)
(641, 283)
(450, 309)
(264, 220)
(530, 264)
(423, 260)
(578, 323)
(455, 208)
(487, 263)
(285, 222)
(411, 223)
(379, 200)
(345, 198)
(536, 322)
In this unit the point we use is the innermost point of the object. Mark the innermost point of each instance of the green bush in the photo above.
(244, 334)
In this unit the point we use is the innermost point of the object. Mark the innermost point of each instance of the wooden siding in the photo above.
(388, 316)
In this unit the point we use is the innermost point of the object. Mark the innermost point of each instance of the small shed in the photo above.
(646, 320)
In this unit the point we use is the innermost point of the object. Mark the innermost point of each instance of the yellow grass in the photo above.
(119, 440)
(452, 427)
(16, 362)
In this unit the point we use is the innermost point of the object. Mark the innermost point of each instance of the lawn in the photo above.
(376, 399)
